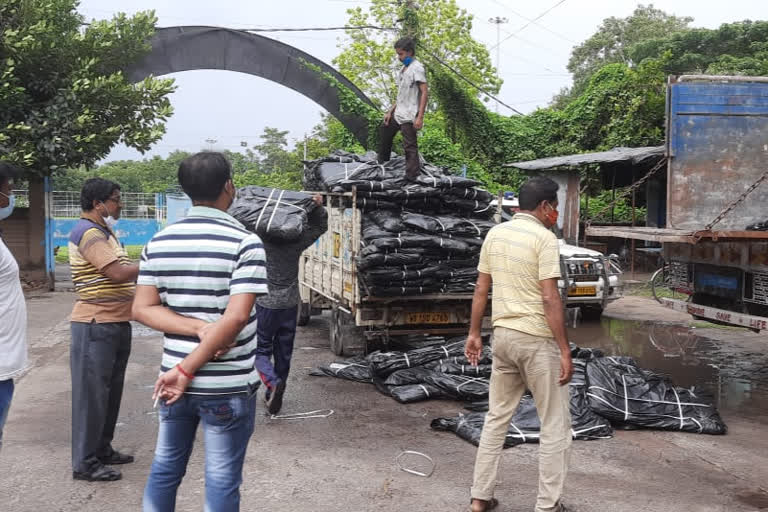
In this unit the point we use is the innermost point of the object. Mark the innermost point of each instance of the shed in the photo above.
(620, 166)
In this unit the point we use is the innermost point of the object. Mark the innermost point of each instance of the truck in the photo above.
(329, 280)
(714, 239)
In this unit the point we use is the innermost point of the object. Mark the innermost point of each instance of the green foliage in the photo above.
(64, 101)
(613, 42)
(290, 180)
(732, 49)
(133, 251)
(368, 59)
(622, 210)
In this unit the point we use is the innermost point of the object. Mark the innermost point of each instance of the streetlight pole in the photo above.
(498, 20)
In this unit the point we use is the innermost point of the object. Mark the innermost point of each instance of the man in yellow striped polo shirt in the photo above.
(521, 259)
(105, 282)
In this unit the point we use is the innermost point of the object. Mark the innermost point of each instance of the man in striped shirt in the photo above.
(199, 279)
(530, 348)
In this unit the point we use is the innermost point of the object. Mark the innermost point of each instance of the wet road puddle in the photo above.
(732, 378)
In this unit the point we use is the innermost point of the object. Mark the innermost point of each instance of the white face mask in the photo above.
(8, 210)
(109, 220)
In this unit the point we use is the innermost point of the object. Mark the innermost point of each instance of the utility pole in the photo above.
(498, 20)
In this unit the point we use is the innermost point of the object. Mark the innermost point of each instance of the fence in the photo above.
(135, 205)
(142, 215)
(22, 198)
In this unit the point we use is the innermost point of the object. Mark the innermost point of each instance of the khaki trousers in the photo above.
(523, 361)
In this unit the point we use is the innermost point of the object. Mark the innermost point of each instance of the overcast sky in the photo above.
(232, 107)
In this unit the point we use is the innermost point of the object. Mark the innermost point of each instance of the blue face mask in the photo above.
(8, 210)
(407, 61)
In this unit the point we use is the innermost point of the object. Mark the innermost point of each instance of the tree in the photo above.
(732, 49)
(64, 101)
(274, 153)
(368, 58)
(613, 41)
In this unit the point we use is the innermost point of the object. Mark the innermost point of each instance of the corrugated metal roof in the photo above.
(634, 155)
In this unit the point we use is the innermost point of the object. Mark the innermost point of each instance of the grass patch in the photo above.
(644, 290)
(134, 253)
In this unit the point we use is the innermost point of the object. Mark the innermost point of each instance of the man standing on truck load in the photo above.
(276, 313)
(104, 280)
(530, 349)
(407, 114)
(13, 308)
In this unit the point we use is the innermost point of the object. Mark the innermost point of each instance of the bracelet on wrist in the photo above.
(184, 372)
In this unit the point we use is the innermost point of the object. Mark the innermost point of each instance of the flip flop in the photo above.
(489, 504)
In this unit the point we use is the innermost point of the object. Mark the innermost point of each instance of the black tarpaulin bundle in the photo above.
(356, 369)
(273, 213)
(438, 220)
(525, 426)
(619, 390)
(605, 392)
(385, 363)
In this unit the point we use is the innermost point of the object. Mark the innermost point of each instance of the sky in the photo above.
(231, 108)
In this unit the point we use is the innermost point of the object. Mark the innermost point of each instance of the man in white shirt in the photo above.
(407, 114)
(13, 309)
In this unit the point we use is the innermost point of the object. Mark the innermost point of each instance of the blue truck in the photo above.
(713, 232)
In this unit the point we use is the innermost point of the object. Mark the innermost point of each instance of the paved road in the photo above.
(346, 462)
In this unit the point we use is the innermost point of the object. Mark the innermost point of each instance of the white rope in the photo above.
(320, 413)
(274, 210)
(679, 407)
(425, 390)
(626, 398)
(475, 226)
(446, 351)
(407, 361)
(518, 431)
(261, 214)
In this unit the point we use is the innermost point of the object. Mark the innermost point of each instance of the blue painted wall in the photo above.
(129, 231)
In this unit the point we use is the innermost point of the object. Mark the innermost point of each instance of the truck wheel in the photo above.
(303, 313)
(344, 336)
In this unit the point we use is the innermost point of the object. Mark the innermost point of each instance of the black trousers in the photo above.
(387, 134)
(97, 358)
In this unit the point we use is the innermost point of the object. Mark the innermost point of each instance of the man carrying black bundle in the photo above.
(276, 312)
(408, 110)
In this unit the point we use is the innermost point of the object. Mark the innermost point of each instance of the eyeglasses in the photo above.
(118, 200)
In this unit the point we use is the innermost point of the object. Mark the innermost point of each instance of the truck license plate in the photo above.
(428, 318)
(581, 291)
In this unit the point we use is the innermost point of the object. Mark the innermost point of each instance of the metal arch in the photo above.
(187, 48)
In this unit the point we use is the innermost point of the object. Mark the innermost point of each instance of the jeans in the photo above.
(523, 361)
(276, 330)
(6, 393)
(228, 422)
(98, 358)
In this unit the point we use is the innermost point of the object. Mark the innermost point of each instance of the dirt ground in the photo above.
(347, 461)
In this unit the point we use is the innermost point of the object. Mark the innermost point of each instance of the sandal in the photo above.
(489, 504)
(99, 474)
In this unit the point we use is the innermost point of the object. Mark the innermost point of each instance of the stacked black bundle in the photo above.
(419, 237)
(407, 252)
(272, 213)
